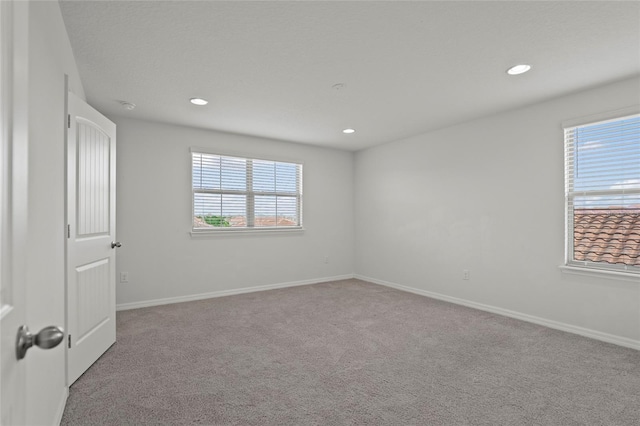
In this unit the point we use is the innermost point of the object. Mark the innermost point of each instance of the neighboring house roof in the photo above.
(262, 221)
(607, 235)
(240, 221)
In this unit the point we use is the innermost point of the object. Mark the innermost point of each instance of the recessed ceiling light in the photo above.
(348, 131)
(518, 69)
(198, 101)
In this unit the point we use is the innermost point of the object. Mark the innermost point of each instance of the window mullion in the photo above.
(251, 215)
(299, 194)
(275, 187)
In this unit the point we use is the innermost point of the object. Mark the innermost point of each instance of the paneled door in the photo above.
(13, 211)
(91, 243)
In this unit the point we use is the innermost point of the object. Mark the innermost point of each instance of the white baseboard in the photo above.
(593, 334)
(61, 407)
(222, 293)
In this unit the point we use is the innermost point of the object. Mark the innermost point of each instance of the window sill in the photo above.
(600, 273)
(245, 231)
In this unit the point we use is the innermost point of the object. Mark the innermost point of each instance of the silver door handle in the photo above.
(47, 338)
(115, 244)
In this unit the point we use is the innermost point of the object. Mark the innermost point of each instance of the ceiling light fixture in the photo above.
(348, 131)
(518, 69)
(198, 101)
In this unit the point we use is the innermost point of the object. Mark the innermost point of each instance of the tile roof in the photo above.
(262, 221)
(607, 235)
(241, 221)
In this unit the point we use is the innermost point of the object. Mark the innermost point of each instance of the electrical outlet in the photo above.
(465, 274)
(124, 277)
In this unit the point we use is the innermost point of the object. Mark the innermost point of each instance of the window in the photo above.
(232, 193)
(602, 191)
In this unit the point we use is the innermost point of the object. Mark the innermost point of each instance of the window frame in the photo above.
(585, 267)
(250, 194)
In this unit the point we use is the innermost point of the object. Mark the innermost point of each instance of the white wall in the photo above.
(488, 196)
(154, 217)
(50, 58)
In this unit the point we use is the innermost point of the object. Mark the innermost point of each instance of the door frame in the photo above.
(66, 234)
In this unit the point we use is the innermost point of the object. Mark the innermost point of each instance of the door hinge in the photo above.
(69, 338)
(68, 231)
(68, 121)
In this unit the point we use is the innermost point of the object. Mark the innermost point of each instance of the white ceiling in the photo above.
(268, 68)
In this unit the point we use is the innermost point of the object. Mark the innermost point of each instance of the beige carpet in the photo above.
(350, 353)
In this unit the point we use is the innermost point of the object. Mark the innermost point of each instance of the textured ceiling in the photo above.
(268, 68)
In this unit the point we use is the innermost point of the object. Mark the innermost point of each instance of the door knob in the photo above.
(115, 244)
(47, 338)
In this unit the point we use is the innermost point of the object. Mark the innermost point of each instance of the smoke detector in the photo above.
(127, 105)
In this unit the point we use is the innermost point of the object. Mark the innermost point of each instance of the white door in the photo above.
(13, 211)
(13, 208)
(91, 210)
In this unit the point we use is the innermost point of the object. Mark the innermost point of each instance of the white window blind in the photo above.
(602, 191)
(245, 193)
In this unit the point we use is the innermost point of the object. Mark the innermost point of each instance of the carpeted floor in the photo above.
(350, 353)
